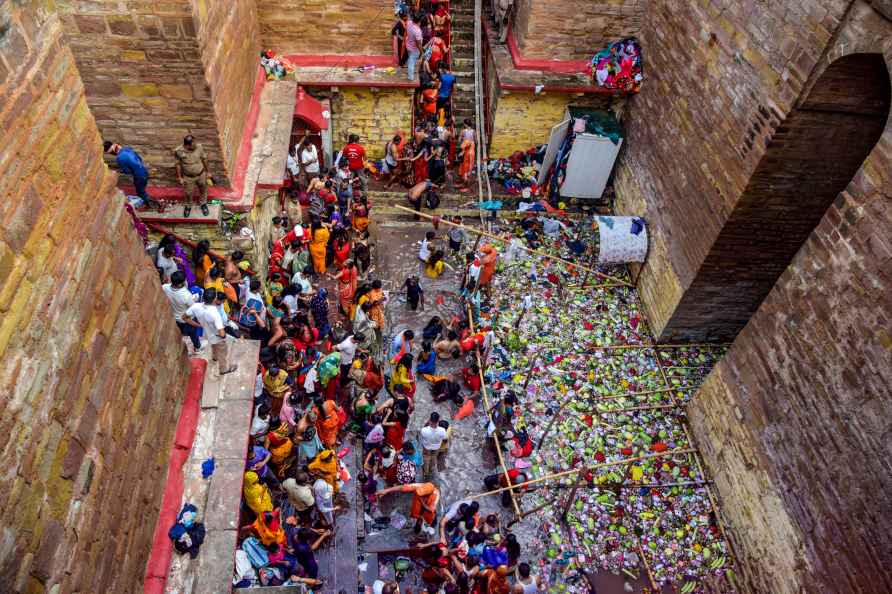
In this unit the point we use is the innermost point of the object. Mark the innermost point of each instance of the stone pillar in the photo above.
(156, 72)
(92, 367)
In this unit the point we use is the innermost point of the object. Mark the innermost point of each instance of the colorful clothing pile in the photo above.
(519, 171)
(619, 66)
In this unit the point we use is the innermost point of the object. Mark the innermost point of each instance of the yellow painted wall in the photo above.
(524, 120)
(373, 114)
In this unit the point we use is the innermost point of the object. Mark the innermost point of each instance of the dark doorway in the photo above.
(812, 157)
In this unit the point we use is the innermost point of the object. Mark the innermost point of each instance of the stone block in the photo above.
(225, 495)
(216, 561)
(139, 90)
(232, 422)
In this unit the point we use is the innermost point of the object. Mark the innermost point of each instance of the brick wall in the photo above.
(320, 27)
(373, 114)
(92, 369)
(570, 30)
(720, 79)
(793, 423)
(229, 39)
(155, 72)
(524, 119)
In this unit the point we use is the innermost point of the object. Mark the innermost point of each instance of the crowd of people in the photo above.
(331, 378)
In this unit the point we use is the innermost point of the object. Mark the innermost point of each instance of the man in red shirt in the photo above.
(355, 155)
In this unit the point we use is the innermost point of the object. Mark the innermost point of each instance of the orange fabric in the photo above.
(469, 159)
(347, 287)
(327, 423)
(426, 493)
(488, 263)
(376, 312)
(269, 533)
(465, 411)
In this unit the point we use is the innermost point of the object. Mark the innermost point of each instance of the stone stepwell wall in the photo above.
(156, 71)
(573, 30)
(324, 27)
(91, 367)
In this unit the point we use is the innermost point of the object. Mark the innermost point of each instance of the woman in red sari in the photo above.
(340, 246)
(347, 279)
(420, 157)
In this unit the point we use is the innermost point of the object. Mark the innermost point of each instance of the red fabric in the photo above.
(158, 564)
(355, 154)
(472, 380)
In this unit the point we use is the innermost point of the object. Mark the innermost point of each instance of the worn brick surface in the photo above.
(524, 119)
(721, 77)
(319, 27)
(569, 30)
(89, 384)
(794, 422)
(155, 72)
(374, 114)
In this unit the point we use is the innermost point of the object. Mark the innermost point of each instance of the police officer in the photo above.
(192, 172)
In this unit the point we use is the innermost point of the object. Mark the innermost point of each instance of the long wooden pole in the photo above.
(526, 249)
(572, 471)
(486, 408)
(712, 499)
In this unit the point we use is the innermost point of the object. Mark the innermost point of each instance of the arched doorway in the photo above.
(811, 158)
(310, 121)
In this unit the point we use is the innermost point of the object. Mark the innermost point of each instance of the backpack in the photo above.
(431, 200)
(405, 471)
(248, 319)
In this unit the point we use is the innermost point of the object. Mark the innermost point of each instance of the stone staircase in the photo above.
(463, 60)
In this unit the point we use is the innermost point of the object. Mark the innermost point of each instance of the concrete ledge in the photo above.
(226, 487)
(215, 562)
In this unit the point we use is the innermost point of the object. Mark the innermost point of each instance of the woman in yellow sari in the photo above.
(256, 494)
(360, 215)
(318, 245)
(325, 466)
(280, 448)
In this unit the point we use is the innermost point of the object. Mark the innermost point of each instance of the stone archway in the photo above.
(812, 157)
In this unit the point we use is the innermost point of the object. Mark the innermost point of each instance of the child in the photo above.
(427, 360)
(456, 236)
(414, 293)
(433, 268)
(424, 252)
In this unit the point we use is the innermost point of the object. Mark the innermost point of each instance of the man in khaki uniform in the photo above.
(192, 171)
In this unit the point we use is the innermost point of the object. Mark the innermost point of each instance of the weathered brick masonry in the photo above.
(793, 423)
(156, 71)
(317, 27)
(548, 30)
(92, 369)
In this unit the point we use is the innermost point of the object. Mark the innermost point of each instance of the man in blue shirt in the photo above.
(130, 163)
(447, 82)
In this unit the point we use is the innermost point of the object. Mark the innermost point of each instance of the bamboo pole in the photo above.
(526, 382)
(526, 249)
(712, 499)
(572, 471)
(484, 391)
(650, 575)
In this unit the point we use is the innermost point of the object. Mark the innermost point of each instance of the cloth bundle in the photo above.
(619, 66)
(519, 171)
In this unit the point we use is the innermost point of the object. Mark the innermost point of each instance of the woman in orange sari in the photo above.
(325, 466)
(280, 447)
(488, 264)
(376, 300)
(468, 160)
(201, 262)
(359, 218)
(269, 529)
(318, 245)
(347, 278)
(327, 421)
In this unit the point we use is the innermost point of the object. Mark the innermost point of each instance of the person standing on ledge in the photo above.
(130, 163)
(414, 44)
(192, 173)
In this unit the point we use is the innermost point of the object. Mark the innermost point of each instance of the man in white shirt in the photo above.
(323, 493)
(309, 158)
(347, 348)
(291, 164)
(208, 317)
(181, 299)
(432, 437)
(311, 379)
(166, 263)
